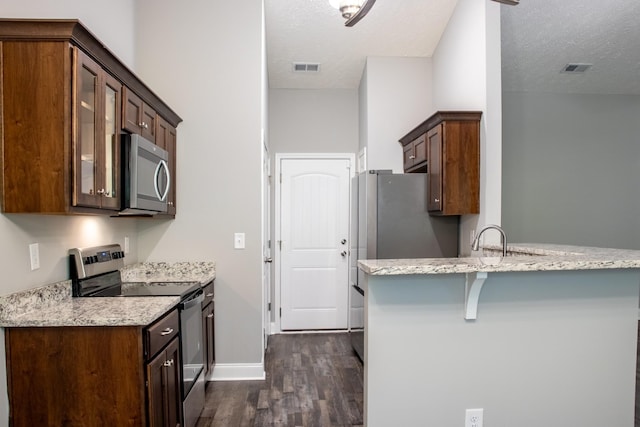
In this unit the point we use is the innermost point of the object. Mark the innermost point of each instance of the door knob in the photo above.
(343, 253)
(269, 260)
(343, 241)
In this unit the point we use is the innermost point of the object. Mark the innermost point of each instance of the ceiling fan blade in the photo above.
(366, 6)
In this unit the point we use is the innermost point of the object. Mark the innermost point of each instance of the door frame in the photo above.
(266, 244)
(279, 157)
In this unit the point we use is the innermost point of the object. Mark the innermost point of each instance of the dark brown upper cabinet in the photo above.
(61, 106)
(447, 147)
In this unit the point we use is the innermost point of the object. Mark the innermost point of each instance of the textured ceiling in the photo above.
(540, 36)
(313, 31)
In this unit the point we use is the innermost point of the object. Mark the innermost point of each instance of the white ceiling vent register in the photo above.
(306, 67)
(576, 68)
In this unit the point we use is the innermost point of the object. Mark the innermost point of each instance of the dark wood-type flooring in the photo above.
(312, 380)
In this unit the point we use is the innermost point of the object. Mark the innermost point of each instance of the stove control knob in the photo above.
(87, 260)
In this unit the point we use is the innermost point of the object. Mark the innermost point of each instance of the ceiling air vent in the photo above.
(576, 68)
(306, 67)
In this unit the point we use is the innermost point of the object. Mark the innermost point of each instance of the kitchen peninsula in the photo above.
(553, 341)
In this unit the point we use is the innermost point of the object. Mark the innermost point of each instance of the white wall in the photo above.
(112, 22)
(466, 76)
(396, 95)
(313, 121)
(571, 169)
(205, 61)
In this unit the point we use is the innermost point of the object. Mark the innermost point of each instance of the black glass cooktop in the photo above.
(158, 289)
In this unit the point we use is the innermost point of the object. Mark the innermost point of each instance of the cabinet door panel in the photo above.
(111, 149)
(131, 111)
(148, 124)
(408, 156)
(434, 138)
(420, 150)
(209, 336)
(156, 392)
(87, 108)
(172, 385)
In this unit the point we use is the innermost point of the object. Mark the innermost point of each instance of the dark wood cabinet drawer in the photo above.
(208, 294)
(161, 332)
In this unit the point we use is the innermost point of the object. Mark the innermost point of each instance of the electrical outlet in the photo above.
(126, 244)
(238, 241)
(473, 417)
(34, 256)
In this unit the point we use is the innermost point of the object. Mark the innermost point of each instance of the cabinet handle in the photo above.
(166, 332)
(209, 316)
(412, 157)
(210, 295)
(436, 200)
(168, 363)
(101, 192)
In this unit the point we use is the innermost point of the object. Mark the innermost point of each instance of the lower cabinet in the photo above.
(163, 387)
(208, 323)
(94, 376)
(208, 328)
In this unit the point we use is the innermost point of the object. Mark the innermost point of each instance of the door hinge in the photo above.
(280, 244)
(280, 177)
(269, 244)
(280, 311)
(269, 307)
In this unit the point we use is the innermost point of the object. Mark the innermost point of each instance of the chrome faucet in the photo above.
(476, 242)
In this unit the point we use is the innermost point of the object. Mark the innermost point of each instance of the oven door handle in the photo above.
(195, 298)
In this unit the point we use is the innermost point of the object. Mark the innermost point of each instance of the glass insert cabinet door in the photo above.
(96, 145)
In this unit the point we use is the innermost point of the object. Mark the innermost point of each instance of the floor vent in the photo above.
(306, 67)
(576, 68)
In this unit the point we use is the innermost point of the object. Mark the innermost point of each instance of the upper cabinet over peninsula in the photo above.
(447, 147)
(65, 100)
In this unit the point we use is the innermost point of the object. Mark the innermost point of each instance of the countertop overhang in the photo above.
(521, 257)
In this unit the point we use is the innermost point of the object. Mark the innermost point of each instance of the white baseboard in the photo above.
(237, 372)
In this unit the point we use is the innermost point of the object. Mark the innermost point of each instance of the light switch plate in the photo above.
(34, 256)
(238, 241)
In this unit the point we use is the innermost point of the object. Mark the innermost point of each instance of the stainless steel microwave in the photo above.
(146, 176)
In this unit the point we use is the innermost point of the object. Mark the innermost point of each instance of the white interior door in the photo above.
(314, 232)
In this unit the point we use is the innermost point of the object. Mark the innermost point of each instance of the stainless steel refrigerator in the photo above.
(390, 220)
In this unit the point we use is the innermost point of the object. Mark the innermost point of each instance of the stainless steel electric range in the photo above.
(95, 272)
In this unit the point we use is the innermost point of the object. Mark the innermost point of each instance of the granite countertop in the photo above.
(145, 272)
(53, 305)
(520, 257)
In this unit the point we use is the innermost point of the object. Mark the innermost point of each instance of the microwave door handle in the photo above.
(161, 165)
